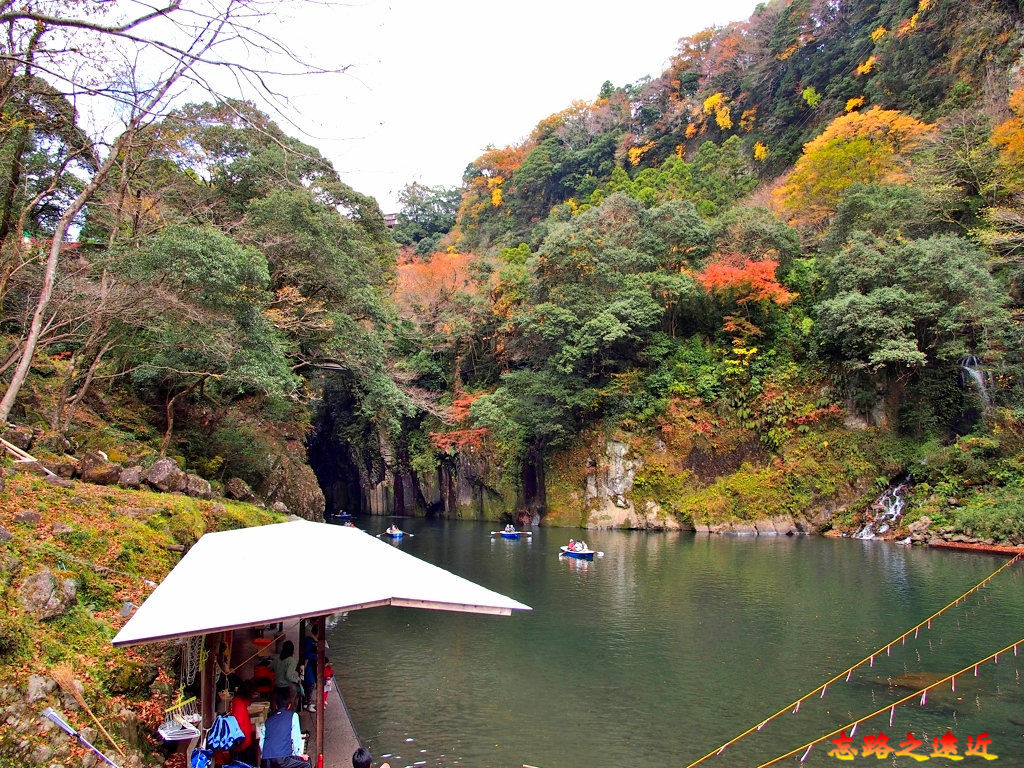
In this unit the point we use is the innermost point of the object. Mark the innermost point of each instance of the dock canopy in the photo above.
(271, 573)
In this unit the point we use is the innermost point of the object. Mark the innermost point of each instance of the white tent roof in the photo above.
(273, 573)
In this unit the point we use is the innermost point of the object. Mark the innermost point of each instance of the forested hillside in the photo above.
(776, 276)
(773, 278)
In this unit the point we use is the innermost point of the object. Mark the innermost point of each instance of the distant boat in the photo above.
(511, 534)
(393, 534)
(579, 554)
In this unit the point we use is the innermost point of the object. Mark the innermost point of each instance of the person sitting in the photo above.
(362, 758)
(246, 749)
(393, 529)
(583, 546)
(281, 740)
(572, 545)
(509, 528)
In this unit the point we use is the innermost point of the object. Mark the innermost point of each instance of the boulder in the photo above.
(919, 526)
(292, 482)
(19, 437)
(39, 688)
(165, 475)
(65, 468)
(95, 468)
(31, 467)
(280, 506)
(131, 477)
(62, 482)
(28, 517)
(197, 487)
(5, 535)
(237, 488)
(45, 596)
(60, 529)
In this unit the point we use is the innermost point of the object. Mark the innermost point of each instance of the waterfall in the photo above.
(887, 510)
(973, 376)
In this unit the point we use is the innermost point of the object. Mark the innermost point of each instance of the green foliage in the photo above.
(426, 214)
(910, 304)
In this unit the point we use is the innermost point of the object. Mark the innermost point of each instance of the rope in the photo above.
(920, 692)
(869, 659)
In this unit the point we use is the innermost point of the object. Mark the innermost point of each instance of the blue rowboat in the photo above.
(586, 554)
(398, 535)
(513, 535)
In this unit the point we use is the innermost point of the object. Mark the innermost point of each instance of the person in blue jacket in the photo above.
(281, 740)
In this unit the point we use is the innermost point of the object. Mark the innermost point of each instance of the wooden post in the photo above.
(321, 649)
(207, 681)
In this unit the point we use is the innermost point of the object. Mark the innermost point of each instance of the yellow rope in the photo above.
(905, 699)
(862, 662)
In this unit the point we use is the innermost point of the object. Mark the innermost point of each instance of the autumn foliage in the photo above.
(866, 147)
(425, 286)
(751, 281)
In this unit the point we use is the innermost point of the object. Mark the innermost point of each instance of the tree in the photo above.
(427, 214)
(903, 306)
(868, 147)
(161, 47)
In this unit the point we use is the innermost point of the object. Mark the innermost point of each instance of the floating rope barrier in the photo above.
(794, 706)
(922, 692)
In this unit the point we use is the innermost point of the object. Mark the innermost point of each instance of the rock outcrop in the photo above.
(607, 495)
(165, 475)
(45, 596)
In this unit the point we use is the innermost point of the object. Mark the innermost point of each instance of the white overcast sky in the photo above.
(431, 83)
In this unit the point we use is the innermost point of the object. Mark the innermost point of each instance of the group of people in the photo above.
(509, 528)
(290, 683)
(578, 546)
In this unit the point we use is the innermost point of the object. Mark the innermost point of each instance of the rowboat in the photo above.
(391, 535)
(579, 554)
(511, 534)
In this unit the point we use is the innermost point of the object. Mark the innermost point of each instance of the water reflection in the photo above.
(672, 644)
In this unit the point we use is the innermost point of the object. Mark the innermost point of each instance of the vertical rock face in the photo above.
(610, 477)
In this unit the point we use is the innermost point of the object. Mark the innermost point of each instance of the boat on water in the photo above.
(579, 554)
(394, 532)
(506, 534)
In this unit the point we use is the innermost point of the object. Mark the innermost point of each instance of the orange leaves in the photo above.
(1009, 138)
(855, 103)
(636, 154)
(460, 440)
(753, 281)
(426, 286)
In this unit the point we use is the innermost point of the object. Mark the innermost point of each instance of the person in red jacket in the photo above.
(246, 750)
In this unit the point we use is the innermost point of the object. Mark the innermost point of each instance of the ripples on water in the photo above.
(671, 644)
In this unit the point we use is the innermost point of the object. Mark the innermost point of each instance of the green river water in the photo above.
(671, 644)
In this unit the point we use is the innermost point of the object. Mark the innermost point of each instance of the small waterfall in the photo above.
(886, 511)
(973, 376)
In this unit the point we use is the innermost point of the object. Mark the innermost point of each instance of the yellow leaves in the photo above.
(679, 150)
(788, 52)
(691, 131)
(760, 151)
(494, 185)
(867, 65)
(748, 118)
(636, 154)
(924, 5)
(907, 26)
(723, 118)
(574, 207)
(854, 103)
(878, 34)
(713, 102)
(865, 147)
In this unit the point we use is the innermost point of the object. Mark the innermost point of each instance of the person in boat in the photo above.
(392, 529)
(572, 545)
(509, 528)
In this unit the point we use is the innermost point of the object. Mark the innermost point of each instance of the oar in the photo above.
(404, 533)
(523, 533)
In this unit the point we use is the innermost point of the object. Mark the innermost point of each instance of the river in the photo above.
(671, 644)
